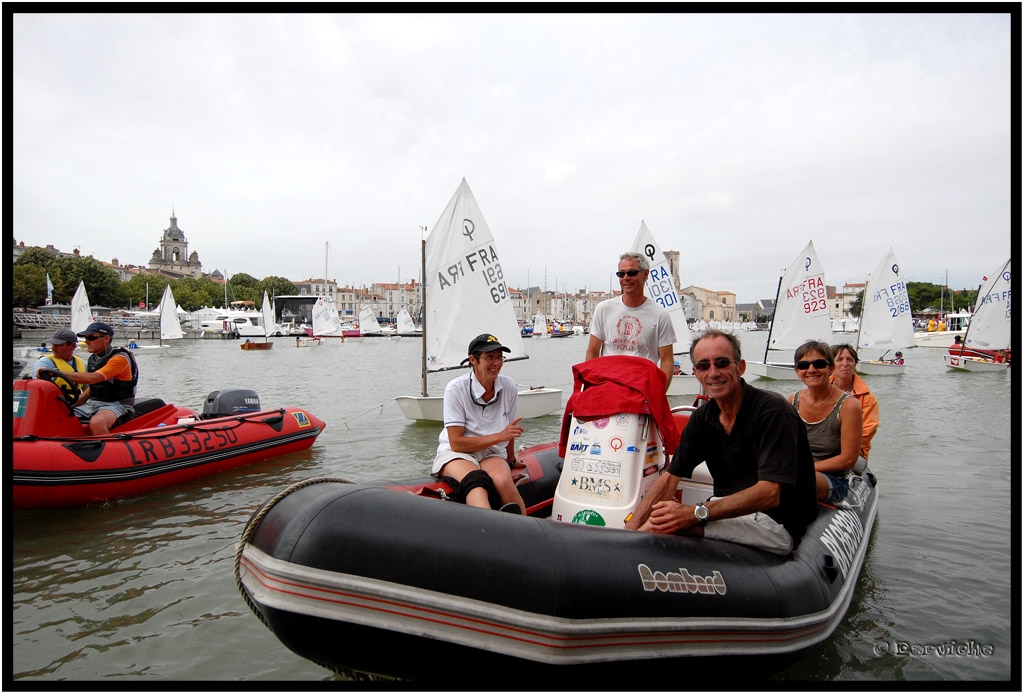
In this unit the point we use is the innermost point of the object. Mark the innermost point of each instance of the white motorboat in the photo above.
(956, 324)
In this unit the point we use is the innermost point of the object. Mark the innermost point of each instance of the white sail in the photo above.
(269, 325)
(801, 312)
(404, 324)
(81, 313)
(886, 321)
(990, 324)
(170, 326)
(661, 286)
(466, 290)
(368, 323)
(540, 325)
(325, 317)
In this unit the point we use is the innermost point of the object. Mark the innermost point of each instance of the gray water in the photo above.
(141, 590)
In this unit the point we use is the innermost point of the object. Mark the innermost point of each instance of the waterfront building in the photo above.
(715, 305)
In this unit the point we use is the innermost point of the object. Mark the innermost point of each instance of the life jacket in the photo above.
(114, 390)
(76, 364)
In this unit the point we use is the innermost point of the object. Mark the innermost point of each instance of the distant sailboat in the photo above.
(457, 309)
(801, 314)
(369, 326)
(269, 327)
(540, 326)
(81, 312)
(990, 327)
(661, 289)
(886, 321)
(405, 325)
(170, 324)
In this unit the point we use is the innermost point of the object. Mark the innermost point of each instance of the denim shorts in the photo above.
(838, 487)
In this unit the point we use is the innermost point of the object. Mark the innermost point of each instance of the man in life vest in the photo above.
(109, 396)
(61, 357)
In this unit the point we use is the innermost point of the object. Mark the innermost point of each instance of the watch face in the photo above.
(701, 512)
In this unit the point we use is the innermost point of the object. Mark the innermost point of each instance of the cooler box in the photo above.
(609, 465)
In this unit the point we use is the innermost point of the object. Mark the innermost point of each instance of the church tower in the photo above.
(172, 257)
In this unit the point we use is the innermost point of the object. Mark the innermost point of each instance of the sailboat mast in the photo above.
(775, 308)
(967, 332)
(423, 288)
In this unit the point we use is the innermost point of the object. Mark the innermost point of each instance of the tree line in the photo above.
(105, 287)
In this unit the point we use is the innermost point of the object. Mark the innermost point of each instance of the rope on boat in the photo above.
(250, 528)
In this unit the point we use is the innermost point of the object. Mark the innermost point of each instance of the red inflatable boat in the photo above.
(58, 463)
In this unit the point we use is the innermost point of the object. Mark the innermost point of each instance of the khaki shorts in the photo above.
(754, 529)
(446, 455)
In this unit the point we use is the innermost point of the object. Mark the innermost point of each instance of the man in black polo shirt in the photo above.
(756, 449)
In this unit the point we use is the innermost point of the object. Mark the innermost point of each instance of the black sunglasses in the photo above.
(90, 338)
(719, 362)
(623, 273)
(817, 363)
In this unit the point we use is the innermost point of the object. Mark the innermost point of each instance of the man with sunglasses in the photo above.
(632, 324)
(110, 380)
(61, 357)
(756, 449)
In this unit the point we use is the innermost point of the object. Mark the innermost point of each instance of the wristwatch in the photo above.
(701, 513)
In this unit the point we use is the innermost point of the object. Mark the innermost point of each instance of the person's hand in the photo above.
(514, 430)
(668, 517)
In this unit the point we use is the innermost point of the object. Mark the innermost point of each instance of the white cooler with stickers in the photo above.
(609, 465)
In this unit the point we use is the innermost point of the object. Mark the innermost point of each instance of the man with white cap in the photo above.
(109, 396)
(61, 357)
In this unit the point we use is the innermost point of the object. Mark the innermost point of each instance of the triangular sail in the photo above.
(170, 326)
(990, 324)
(269, 325)
(540, 325)
(325, 317)
(801, 312)
(661, 287)
(886, 321)
(404, 324)
(368, 322)
(466, 288)
(81, 312)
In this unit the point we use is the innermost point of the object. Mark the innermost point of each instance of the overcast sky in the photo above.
(736, 137)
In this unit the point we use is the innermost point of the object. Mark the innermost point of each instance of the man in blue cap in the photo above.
(61, 357)
(110, 380)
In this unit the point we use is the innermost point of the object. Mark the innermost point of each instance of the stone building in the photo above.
(172, 257)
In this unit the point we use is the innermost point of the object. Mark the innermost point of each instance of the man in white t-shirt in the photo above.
(633, 324)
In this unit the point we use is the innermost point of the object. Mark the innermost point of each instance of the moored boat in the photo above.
(57, 463)
(366, 579)
(955, 324)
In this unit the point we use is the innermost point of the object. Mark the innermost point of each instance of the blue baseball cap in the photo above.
(97, 328)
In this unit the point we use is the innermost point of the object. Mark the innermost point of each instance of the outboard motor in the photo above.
(223, 403)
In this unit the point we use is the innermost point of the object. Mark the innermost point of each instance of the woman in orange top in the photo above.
(846, 379)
